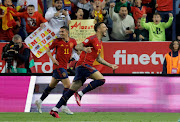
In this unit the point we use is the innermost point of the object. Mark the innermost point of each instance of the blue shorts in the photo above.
(60, 73)
(83, 72)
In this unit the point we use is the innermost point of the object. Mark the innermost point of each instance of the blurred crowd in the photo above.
(127, 20)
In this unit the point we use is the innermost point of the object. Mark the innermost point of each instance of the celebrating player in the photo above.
(63, 46)
(91, 49)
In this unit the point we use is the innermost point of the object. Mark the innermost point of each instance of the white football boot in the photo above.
(38, 105)
(66, 110)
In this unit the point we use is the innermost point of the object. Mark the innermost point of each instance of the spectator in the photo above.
(84, 5)
(138, 10)
(77, 15)
(57, 16)
(156, 28)
(123, 24)
(23, 57)
(33, 19)
(140, 34)
(121, 3)
(171, 63)
(164, 8)
(98, 11)
(9, 25)
(177, 26)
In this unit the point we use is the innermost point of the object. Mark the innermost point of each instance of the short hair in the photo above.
(16, 37)
(57, 0)
(31, 5)
(97, 25)
(156, 14)
(172, 43)
(65, 27)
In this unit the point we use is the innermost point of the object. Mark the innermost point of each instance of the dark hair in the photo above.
(172, 43)
(97, 25)
(65, 27)
(31, 5)
(156, 14)
(57, 0)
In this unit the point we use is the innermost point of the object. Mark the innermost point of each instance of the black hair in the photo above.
(97, 25)
(57, 0)
(65, 27)
(172, 43)
(31, 5)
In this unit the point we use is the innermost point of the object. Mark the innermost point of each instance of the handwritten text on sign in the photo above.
(81, 29)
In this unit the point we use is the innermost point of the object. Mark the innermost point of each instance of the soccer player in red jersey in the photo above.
(91, 49)
(63, 46)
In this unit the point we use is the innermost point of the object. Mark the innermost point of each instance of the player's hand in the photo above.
(88, 49)
(144, 16)
(55, 62)
(114, 66)
(170, 15)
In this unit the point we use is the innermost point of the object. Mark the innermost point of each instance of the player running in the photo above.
(63, 46)
(91, 48)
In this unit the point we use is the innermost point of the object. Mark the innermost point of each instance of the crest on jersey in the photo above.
(64, 74)
(62, 45)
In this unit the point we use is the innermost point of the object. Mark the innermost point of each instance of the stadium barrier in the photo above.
(132, 57)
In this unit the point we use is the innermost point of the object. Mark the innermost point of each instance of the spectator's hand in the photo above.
(178, 37)
(141, 37)
(18, 23)
(55, 62)
(112, 5)
(64, 12)
(134, 35)
(103, 11)
(114, 66)
(57, 14)
(41, 25)
(88, 49)
(144, 16)
(69, 22)
(128, 31)
(156, 5)
(170, 15)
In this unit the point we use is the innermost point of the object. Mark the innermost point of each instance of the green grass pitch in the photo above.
(91, 117)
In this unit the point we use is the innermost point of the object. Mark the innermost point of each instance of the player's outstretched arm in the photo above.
(102, 61)
(81, 47)
(51, 57)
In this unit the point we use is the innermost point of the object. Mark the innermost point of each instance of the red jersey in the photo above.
(32, 23)
(89, 58)
(63, 51)
(137, 13)
(165, 5)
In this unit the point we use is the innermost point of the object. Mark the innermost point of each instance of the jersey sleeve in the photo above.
(74, 43)
(87, 42)
(53, 45)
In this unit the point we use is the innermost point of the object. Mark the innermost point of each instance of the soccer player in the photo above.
(91, 49)
(63, 46)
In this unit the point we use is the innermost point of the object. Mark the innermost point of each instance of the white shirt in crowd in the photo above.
(120, 25)
(56, 22)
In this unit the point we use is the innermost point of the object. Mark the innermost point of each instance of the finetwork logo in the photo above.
(134, 59)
